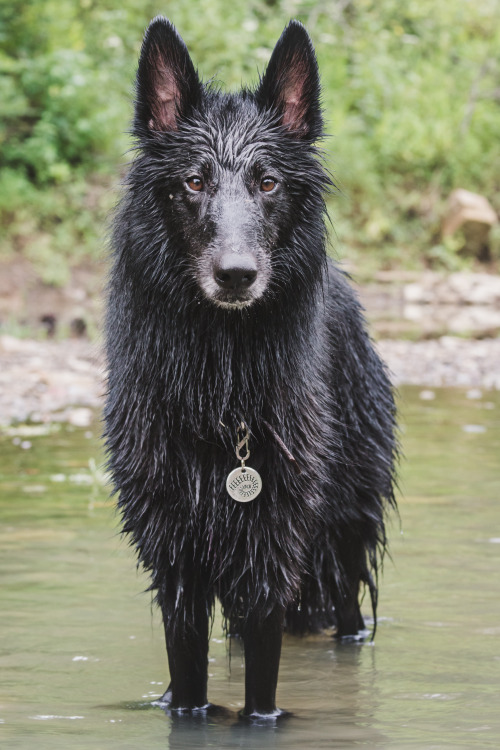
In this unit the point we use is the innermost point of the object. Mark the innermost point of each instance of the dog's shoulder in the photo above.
(340, 295)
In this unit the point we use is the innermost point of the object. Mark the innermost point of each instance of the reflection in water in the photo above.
(82, 657)
(346, 707)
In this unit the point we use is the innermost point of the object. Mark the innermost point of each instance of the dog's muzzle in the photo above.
(233, 280)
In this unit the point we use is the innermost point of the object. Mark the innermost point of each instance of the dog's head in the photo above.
(234, 177)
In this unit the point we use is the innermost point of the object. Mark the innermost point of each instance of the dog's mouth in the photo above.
(232, 302)
(229, 299)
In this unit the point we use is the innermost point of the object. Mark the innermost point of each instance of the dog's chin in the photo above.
(232, 303)
(230, 299)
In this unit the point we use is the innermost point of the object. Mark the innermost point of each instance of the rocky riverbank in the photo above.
(49, 380)
(447, 361)
(64, 380)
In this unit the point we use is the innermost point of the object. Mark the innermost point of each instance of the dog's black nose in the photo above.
(233, 271)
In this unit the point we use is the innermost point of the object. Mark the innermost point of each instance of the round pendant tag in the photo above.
(244, 484)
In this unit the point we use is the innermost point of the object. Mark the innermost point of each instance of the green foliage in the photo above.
(410, 93)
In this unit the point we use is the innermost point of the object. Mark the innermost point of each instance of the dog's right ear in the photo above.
(167, 85)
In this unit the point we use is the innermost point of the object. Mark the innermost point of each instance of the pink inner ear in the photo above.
(294, 103)
(164, 97)
(293, 115)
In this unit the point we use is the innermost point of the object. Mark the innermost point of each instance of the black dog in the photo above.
(227, 325)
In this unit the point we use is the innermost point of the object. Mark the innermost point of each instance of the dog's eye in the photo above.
(267, 184)
(195, 183)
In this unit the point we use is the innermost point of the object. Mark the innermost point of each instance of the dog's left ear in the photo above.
(291, 84)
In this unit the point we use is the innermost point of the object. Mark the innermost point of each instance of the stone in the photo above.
(81, 417)
(478, 288)
(473, 214)
(10, 344)
(461, 288)
(421, 292)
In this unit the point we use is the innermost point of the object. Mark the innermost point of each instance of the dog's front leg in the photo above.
(186, 635)
(262, 642)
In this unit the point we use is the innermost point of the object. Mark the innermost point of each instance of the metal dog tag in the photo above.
(244, 484)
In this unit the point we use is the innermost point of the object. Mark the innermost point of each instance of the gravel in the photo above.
(46, 380)
(447, 361)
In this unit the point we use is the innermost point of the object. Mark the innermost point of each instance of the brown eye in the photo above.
(195, 183)
(267, 184)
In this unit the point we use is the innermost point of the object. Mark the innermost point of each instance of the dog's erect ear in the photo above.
(291, 83)
(167, 84)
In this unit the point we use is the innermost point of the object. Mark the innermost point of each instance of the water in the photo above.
(82, 654)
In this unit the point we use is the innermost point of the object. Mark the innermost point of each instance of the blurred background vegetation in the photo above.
(411, 94)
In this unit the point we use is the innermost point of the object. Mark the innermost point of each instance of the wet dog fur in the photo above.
(223, 307)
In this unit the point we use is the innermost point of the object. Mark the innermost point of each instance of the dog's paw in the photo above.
(263, 718)
(196, 712)
(165, 700)
(362, 636)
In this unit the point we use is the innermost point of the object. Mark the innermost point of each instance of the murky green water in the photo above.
(82, 654)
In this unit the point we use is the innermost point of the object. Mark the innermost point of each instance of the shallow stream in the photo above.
(81, 650)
